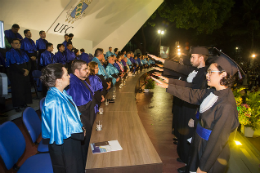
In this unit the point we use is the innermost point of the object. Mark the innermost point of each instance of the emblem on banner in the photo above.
(75, 13)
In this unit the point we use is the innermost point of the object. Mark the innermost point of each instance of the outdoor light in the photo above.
(179, 50)
(159, 31)
(179, 53)
(162, 32)
(253, 55)
(178, 46)
(236, 48)
(238, 143)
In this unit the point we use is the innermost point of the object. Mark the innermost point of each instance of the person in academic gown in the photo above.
(217, 116)
(83, 96)
(70, 56)
(129, 63)
(76, 52)
(61, 122)
(41, 43)
(60, 56)
(116, 51)
(12, 33)
(119, 65)
(19, 67)
(197, 80)
(109, 53)
(28, 45)
(124, 63)
(96, 83)
(112, 71)
(47, 56)
(102, 74)
(84, 56)
(66, 40)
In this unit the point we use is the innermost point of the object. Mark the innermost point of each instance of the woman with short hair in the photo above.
(217, 116)
(61, 122)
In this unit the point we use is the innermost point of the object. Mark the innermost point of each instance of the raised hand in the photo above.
(158, 68)
(157, 58)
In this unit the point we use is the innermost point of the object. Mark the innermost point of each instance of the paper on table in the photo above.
(114, 145)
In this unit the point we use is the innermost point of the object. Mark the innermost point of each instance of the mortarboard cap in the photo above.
(228, 64)
(199, 50)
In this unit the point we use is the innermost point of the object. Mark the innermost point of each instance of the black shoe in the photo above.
(182, 169)
(179, 160)
(175, 139)
(18, 109)
(175, 142)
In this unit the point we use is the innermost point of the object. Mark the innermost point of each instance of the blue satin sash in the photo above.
(95, 82)
(46, 58)
(28, 45)
(60, 116)
(60, 58)
(202, 132)
(41, 44)
(14, 57)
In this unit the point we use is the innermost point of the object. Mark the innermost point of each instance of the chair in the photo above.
(12, 147)
(41, 103)
(33, 124)
(36, 81)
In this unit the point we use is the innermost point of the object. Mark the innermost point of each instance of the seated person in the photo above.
(111, 70)
(60, 56)
(65, 136)
(84, 56)
(102, 74)
(47, 57)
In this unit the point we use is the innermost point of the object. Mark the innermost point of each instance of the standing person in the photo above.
(60, 56)
(83, 96)
(84, 56)
(218, 116)
(196, 80)
(19, 66)
(61, 122)
(41, 43)
(96, 83)
(109, 53)
(70, 56)
(66, 40)
(12, 33)
(28, 45)
(47, 57)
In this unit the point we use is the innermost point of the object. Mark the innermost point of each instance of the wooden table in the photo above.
(121, 122)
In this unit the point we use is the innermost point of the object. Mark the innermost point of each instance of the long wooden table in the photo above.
(121, 122)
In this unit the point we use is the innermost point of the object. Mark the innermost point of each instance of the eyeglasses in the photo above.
(213, 71)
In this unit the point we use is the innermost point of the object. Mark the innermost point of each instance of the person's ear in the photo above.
(224, 74)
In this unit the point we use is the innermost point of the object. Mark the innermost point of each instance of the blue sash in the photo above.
(202, 132)
(198, 115)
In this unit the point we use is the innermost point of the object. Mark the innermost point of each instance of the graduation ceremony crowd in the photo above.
(76, 83)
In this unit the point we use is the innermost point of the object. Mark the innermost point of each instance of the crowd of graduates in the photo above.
(23, 59)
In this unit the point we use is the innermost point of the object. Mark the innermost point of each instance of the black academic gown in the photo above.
(21, 87)
(67, 158)
(187, 110)
(221, 117)
(87, 117)
(177, 103)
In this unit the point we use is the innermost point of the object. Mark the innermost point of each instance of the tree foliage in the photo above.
(202, 15)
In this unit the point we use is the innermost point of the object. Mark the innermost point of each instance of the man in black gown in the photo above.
(19, 67)
(83, 96)
(196, 79)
